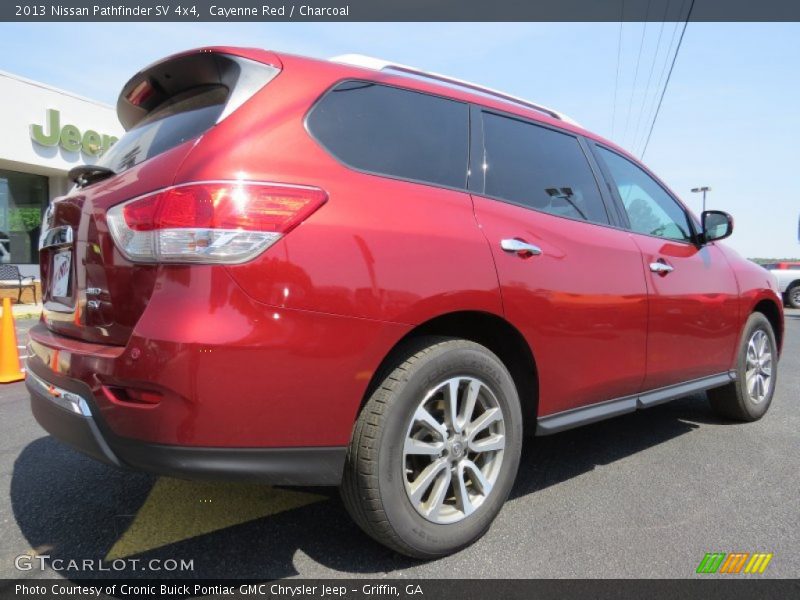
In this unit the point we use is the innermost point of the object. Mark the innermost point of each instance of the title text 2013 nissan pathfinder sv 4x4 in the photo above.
(354, 273)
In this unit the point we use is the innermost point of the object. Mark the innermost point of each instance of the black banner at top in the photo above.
(398, 10)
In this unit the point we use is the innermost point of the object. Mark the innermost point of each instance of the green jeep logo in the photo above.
(70, 137)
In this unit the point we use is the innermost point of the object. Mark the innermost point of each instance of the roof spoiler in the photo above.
(156, 84)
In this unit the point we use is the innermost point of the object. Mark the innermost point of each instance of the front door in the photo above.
(693, 294)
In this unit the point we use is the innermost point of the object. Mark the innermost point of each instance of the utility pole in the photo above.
(703, 189)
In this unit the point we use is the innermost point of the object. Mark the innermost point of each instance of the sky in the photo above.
(729, 120)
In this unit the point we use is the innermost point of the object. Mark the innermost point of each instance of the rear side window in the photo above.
(180, 118)
(394, 132)
(539, 168)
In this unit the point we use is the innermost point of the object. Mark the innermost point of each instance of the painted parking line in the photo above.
(176, 510)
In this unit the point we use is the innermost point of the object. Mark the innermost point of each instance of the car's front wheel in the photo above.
(749, 396)
(435, 449)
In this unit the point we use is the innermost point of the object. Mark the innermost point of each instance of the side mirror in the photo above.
(717, 225)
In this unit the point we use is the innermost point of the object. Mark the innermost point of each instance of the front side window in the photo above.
(651, 210)
(395, 132)
(539, 168)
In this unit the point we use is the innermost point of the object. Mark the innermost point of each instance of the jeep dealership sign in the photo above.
(69, 137)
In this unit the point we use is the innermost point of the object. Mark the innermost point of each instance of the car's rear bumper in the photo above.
(225, 389)
(65, 409)
(229, 372)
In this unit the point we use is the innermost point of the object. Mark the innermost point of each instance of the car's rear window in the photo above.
(395, 132)
(177, 120)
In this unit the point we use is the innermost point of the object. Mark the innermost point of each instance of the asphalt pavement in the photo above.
(643, 495)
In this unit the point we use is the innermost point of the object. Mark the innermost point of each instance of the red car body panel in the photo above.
(353, 256)
(278, 352)
(230, 369)
(694, 318)
(581, 305)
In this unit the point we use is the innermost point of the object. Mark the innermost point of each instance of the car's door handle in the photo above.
(661, 268)
(520, 247)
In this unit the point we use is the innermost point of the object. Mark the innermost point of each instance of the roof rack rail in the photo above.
(378, 64)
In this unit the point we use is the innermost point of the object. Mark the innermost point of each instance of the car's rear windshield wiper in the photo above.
(86, 174)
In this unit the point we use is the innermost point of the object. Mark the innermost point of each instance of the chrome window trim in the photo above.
(377, 64)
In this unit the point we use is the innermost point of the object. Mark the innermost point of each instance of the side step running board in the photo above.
(611, 408)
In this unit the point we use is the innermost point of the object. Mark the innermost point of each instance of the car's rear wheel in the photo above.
(749, 396)
(435, 449)
(793, 296)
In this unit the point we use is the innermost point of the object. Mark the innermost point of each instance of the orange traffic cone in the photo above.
(9, 355)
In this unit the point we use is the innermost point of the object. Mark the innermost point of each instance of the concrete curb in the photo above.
(27, 316)
(26, 311)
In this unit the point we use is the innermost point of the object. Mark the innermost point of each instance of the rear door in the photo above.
(693, 294)
(578, 294)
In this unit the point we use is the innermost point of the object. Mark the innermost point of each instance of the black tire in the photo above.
(734, 401)
(793, 296)
(374, 484)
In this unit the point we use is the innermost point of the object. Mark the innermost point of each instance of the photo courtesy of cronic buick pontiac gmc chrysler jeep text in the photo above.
(354, 273)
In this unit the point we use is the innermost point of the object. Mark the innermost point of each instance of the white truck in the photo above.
(788, 276)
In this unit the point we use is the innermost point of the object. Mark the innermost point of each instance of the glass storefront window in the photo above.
(23, 198)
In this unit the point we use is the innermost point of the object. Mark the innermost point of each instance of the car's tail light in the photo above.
(213, 222)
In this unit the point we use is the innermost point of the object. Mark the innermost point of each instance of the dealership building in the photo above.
(44, 132)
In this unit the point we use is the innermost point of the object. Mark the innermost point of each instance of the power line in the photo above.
(619, 60)
(636, 71)
(669, 76)
(664, 64)
(650, 76)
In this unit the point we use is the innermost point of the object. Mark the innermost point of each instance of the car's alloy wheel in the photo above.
(749, 396)
(758, 373)
(435, 449)
(794, 296)
(453, 449)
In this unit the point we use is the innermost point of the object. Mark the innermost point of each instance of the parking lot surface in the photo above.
(643, 495)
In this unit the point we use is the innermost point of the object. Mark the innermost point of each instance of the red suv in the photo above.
(352, 273)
